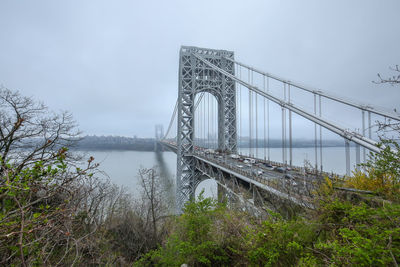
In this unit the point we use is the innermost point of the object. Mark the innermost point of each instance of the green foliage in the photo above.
(360, 234)
(280, 242)
(341, 233)
(388, 161)
(193, 240)
(381, 172)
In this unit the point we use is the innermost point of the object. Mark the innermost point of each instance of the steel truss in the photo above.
(232, 190)
(255, 199)
(195, 77)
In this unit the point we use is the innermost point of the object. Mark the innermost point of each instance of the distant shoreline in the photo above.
(106, 143)
(109, 148)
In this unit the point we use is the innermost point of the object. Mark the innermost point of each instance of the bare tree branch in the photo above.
(393, 80)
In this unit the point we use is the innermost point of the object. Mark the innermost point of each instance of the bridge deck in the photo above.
(294, 184)
(259, 181)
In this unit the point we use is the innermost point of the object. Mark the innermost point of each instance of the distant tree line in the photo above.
(94, 142)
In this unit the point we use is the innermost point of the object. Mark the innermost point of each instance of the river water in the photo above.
(122, 166)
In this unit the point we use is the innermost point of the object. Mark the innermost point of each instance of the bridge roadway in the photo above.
(294, 184)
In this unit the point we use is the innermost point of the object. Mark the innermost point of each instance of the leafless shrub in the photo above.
(55, 212)
(395, 79)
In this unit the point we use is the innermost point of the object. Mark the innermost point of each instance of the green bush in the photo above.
(192, 240)
(341, 233)
(381, 172)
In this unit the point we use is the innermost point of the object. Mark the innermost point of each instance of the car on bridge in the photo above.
(258, 172)
(280, 169)
(249, 160)
(267, 165)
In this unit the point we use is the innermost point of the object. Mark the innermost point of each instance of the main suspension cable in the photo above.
(375, 110)
(331, 126)
(172, 119)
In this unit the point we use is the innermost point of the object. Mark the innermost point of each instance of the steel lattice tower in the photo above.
(196, 77)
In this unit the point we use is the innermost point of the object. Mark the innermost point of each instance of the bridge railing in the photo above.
(277, 184)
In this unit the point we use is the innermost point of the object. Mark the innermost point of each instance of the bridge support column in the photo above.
(221, 193)
(196, 77)
(347, 150)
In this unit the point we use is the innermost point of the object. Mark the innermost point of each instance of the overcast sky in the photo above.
(114, 64)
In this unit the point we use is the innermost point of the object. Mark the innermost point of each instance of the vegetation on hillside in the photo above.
(55, 211)
(342, 233)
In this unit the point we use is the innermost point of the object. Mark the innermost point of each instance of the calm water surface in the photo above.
(122, 166)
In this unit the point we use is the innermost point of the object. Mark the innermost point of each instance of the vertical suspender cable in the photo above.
(215, 121)
(212, 122)
(363, 133)
(204, 122)
(347, 148)
(201, 123)
(283, 128)
(256, 96)
(269, 152)
(369, 125)
(284, 125)
(198, 131)
(202, 98)
(265, 137)
(358, 155)
(237, 105)
(250, 123)
(315, 134)
(369, 128)
(320, 134)
(240, 110)
(208, 120)
(357, 146)
(283, 135)
(290, 131)
(196, 126)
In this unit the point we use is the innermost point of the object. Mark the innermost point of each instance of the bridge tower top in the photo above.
(207, 52)
(159, 132)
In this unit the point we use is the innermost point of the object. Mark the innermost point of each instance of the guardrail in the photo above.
(273, 183)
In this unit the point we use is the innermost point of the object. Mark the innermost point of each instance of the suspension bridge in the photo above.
(225, 123)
